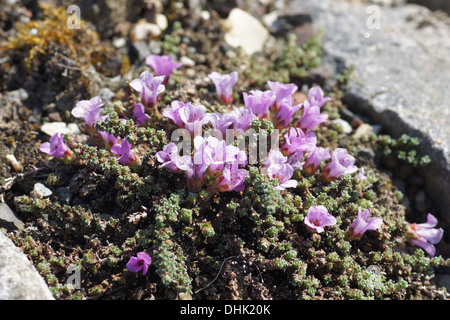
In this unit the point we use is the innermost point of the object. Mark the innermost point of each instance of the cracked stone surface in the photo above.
(19, 280)
(401, 77)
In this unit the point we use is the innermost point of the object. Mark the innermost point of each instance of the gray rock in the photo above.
(401, 77)
(17, 95)
(19, 280)
(8, 219)
(442, 280)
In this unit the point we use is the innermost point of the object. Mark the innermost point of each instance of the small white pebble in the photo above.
(13, 161)
(42, 190)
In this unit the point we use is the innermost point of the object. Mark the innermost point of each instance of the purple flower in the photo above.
(240, 118)
(193, 117)
(173, 112)
(224, 85)
(311, 117)
(56, 147)
(425, 235)
(232, 178)
(275, 157)
(123, 150)
(259, 102)
(281, 91)
(149, 87)
(140, 262)
(318, 218)
(315, 157)
(170, 159)
(186, 115)
(212, 154)
(221, 122)
(109, 138)
(277, 167)
(298, 141)
(89, 110)
(362, 223)
(341, 163)
(162, 65)
(316, 97)
(286, 111)
(139, 114)
(296, 160)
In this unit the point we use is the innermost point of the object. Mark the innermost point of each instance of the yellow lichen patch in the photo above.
(37, 36)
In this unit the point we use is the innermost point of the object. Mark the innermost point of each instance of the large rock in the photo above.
(402, 58)
(19, 280)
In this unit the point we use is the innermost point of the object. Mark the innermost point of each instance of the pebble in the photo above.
(50, 128)
(13, 161)
(186, 61)
(42, 190)
(346, 127)
(244, 30)
(19, 94)
(142, 31)
(161, 22)
(119, 42)
(363, 130)
(8, 219)
(106, 94)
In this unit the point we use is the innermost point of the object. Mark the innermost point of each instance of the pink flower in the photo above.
(140, 262)
(281, 91)
(318, 218)
(296, 160)
(286, 111)
(212, 154)
(238, 118)
(149, 87)
(56, 147)
(232, 178)
(316, 97)
(186, 115)
(173, 112)
(341, 163)
(311, 117)
(224, 85)
(123, 150)
(259, 102)
(315, 157)
(139, 114)
(277, 167)
(193, 117)
(162, 65)
(275, 157)
(298, 141)
(362, 223)
(109, 138)
(89, 110)
(425, 235)
(221, 122)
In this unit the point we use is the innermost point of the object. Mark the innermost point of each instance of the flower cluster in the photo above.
(149, 86)
(213, 164)
(276, 105)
